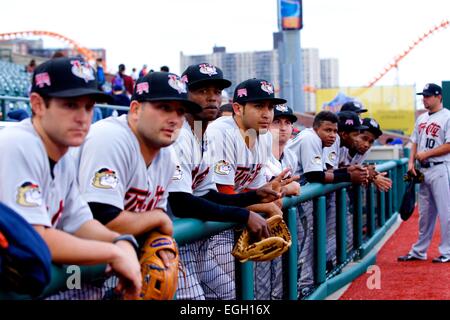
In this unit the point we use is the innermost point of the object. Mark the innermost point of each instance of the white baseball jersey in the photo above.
(113, 171)
(431, 131)
(27, 185)
(308, 152)
(275, 166)
(345, 159)
(233, 162)
(332, 154)
(193, 174)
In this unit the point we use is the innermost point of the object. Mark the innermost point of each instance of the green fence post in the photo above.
(244, 272)
(395, 194)
(320, 239)
(390, 202)
(341, 226)
(381, 208)
(291, 221)
(370, 207)
(357, 217)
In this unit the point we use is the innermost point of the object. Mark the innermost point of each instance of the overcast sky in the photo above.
(364, 35)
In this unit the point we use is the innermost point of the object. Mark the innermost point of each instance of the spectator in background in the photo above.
(120, 98)
(31, 66)
(143, 71)
(122, 79)
(165, 69)
(100, 73)
(134, 74)
(17, 115)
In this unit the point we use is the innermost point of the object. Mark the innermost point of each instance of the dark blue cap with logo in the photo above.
(253, 90)
(283, 110)
(353, 106)
(373, 127)
(430, 89)
(200, 74)
(67, 78)
(349, 121)
(163, 86)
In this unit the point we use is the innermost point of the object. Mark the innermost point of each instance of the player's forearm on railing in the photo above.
(68, 249)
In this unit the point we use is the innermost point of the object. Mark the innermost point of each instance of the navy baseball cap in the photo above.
(67, 78)
(350, 121)
(253, 90)
(283, 110)
(353, 106)
(430, 89)
(163, 86)
(373, 127)
(200, 74)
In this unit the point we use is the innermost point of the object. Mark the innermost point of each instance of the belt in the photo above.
(430, 164)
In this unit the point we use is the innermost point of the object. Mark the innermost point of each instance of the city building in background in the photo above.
(240, 66)
(329, 73)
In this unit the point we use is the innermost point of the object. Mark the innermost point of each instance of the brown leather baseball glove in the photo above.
(265, 249)
(158, 281)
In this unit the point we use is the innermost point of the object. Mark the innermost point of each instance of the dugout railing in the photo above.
(374, 213)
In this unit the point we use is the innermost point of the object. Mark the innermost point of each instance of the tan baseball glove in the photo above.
(266, 249)
(158, 281)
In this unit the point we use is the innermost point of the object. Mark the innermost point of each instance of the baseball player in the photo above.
(281, 129)
(126, 164)
(359, 153)
(193, 192)
(238, 148)
(42, 187)
(431, 149)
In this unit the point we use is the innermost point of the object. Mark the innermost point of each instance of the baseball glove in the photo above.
(265, 249)
(415, 179)
(158, 281)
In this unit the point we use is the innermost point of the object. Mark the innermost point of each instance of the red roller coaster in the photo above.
(85, 52)
(444, 24)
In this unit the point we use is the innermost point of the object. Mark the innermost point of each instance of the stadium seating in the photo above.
(15, 82)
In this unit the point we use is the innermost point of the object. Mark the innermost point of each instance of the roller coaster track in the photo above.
(394, 64)
(85, 52)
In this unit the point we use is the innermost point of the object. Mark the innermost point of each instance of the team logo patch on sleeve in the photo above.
(105, 179)
(223, 168)
(317, 160)
(29, 195)
(332, 156)
(178, 174)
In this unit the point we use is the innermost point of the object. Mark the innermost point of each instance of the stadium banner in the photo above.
(392, 106)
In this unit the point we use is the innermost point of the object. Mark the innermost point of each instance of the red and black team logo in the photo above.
(245, 175)
(137, 200)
